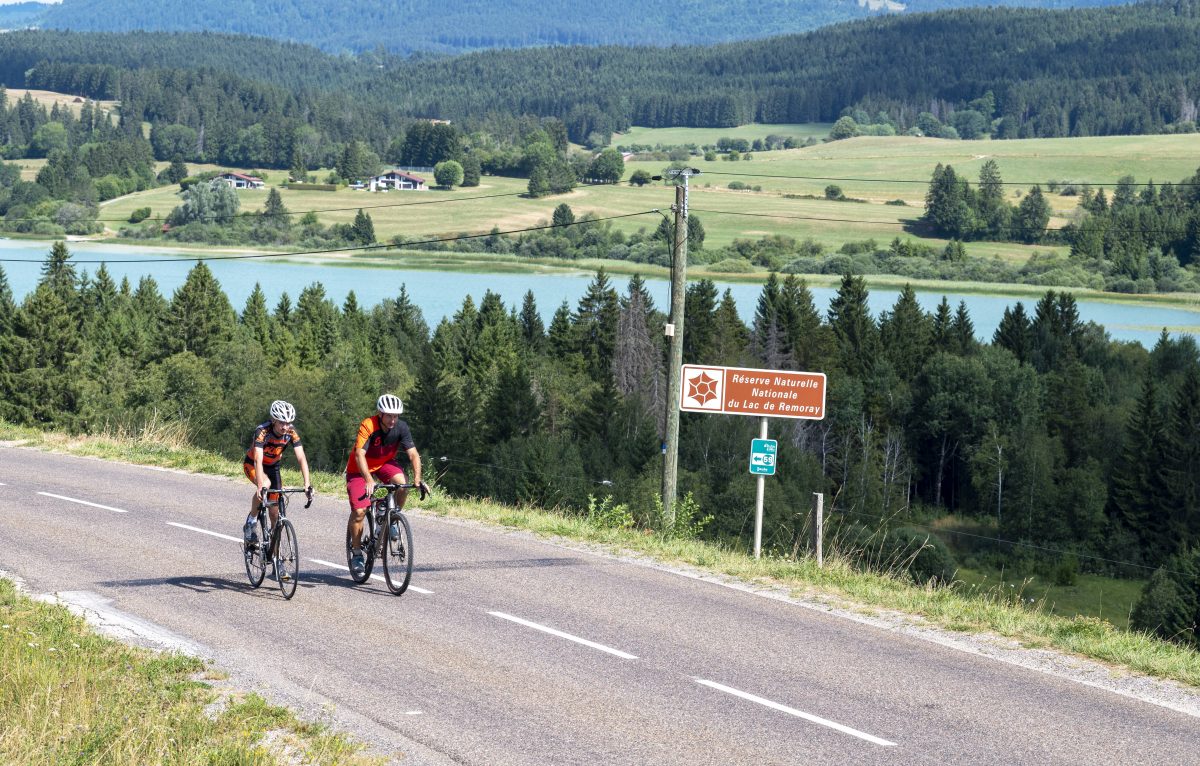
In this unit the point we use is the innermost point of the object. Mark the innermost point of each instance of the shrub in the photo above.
(139, 215)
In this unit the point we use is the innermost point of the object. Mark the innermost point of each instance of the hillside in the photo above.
(1078, 73)
(463, 25)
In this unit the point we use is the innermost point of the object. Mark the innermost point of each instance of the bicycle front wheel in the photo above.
(397, 553)
(287, 559)
(368, 548)
(256, 564)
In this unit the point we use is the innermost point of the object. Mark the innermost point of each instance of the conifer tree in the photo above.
(905, 334)
(533, 332)
(255, 318)
(364, 228)
(1015, 332)
(595, 326)
(855, 331)
(201, 318)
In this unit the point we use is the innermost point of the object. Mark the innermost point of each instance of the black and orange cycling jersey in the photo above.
(381, 446)
(272, 444)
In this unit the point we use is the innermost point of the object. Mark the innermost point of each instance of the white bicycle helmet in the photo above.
(282, 411)
(390, 404)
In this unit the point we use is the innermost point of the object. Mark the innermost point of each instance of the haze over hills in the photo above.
(452, 26)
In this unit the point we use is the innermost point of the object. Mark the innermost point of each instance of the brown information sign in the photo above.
(764, 393)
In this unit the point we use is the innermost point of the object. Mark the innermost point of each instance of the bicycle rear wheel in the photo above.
(368, 547)
(397, 553)
(256, 565)
(287, 559)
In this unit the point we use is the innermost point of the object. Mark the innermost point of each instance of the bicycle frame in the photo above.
(264, 514)
(381, 510)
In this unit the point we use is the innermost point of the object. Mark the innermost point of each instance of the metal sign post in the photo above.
(762, 394)
(762, 463)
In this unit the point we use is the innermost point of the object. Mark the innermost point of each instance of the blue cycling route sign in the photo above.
(762, 456)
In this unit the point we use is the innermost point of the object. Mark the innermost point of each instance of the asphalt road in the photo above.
(510, 650)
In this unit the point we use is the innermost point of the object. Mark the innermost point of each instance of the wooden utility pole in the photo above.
(674, 331)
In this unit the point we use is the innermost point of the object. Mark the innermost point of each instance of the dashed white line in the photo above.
(345, 568)
(560, 634)
(83, 502)
(205, 531)
(797, 713)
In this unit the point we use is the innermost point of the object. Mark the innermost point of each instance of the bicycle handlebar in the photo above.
(393, 488)
(262, 493)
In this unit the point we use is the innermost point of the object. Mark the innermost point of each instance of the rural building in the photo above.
(241, 180)
(398, 180)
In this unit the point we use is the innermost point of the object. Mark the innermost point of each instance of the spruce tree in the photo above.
(533, 332)
(1015, 333)
(853, 328)
(595, 326)
(905, 334)
(364, 228)
(201, 318)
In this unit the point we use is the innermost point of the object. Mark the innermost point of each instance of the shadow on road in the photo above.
(238, 583)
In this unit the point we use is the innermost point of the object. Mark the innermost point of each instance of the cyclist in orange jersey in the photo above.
(261, 464)
(374, 457)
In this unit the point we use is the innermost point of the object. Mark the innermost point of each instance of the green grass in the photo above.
(709, 136)
(903, 165)
(68, 695)
(1104, 598)
(961, 606)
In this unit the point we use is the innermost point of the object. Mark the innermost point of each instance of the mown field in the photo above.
(710, 136)
(789, 200)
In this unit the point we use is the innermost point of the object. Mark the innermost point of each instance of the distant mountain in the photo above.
(21, 15)
(455, 26)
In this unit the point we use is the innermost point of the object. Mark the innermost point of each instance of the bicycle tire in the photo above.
(287, 558)
(256, 565)
(368, 548)
(397, 554)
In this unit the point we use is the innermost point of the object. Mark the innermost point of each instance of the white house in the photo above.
(398, 180)
(241, 180)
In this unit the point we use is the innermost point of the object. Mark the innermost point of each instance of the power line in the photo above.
(383, 246)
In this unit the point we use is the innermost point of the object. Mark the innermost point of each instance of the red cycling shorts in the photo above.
(356, 485)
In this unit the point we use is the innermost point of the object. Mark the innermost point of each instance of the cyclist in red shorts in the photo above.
(261, 465)
(374, 457)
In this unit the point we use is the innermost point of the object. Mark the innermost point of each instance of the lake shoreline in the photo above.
(487, 263)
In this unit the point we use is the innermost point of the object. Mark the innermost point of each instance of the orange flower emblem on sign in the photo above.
(702, 388)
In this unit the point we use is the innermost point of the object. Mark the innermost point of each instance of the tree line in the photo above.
(1082, 72)
(1146, 238)
(1050, 434)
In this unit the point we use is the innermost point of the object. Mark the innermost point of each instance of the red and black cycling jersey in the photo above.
(272, 444)
(381, 446)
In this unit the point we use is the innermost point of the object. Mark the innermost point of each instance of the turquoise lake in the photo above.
(441, 293)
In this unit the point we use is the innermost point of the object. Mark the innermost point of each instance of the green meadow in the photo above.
(786, 195)
(709, 136)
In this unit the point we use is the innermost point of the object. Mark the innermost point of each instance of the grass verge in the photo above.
(71, 696)
(958, 606)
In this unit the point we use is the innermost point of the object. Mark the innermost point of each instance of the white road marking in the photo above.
(797, 713)
(345, 568)
(83, 502)
(560, 634)
(99, 611)
(205, 532)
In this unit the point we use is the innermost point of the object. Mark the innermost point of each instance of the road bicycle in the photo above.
(387, 535)
(276, 544)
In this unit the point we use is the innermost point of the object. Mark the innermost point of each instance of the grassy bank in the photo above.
(68, 695)
(961, 606)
